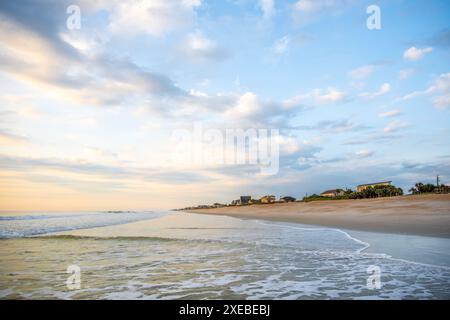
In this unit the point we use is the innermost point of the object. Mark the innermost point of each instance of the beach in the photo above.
(423, 215)
(178, 255)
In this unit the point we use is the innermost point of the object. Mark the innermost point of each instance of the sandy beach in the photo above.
(179, 255)
(424, 215)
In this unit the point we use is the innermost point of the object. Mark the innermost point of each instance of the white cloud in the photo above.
(384, 88)
(442, 101)
(416, 94)
(267, 7)
(392, 113)
(442, 83)
(73, 75)
(250, 109)
(332, 95)
(247, 105)
(198, 48)
(440, 87)
(406, 73)
(394, 126)
(305, 10)
(315, 97)
(362, 72)
(155, 17)
(10, 138)
(281, 45)
(313, 6)
(364, 153)
(414, 54)
(82, 121)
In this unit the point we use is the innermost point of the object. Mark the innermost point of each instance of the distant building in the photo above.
(236, 202)
(268, 199)
(287, 199)
(218, 205)
(333, 193)
(363, 187)
(246, 199)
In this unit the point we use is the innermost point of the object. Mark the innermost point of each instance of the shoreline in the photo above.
(420, 215)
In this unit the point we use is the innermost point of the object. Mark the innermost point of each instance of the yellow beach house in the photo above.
(332, 193)
(362, 187)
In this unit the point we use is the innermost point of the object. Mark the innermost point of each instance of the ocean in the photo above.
(175, 255)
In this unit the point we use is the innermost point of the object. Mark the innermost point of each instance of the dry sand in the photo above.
(425, 215)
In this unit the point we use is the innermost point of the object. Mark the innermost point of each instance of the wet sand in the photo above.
(423, 215)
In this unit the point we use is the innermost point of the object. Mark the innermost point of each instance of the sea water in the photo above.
(166, 255)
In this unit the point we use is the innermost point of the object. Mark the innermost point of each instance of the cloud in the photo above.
(281, 45)
(440, 89)
(297, 153)
(97, 152)
(384, 88)
(154, 17)
(362, 72)
(331, 96)
(415, 94)
(406, 73)
(395, 126)
(338, 126)
(39, 55)
(316, 97)
(88, 170)
(415, 54)
(248, 105)
(249, 109)
(374, 137)
(9, 138)
(442, 101)
(267, 7)
(392, 113)
(304, 11)
(197, 48)
(364, 153)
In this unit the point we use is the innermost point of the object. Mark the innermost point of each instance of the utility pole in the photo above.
(437, 182)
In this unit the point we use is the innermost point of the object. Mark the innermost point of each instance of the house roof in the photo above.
(332, 191)
(371, 184)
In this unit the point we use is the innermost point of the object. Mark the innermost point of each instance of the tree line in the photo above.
(420, 187)
(382, 191)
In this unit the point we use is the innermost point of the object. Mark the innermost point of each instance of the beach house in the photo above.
(246, 199)
(333, 193)
(268, 199)
(236, 202)
(362, 187)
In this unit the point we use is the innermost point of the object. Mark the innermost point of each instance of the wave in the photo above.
(120, 238)
(58, 216)
(365, 245)
(30, 225)
(34, 217)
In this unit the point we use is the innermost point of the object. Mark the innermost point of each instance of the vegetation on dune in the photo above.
(376, 192)
(420, 188)
(369, 192)
(380, 191)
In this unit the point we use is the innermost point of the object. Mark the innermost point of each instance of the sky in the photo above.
(90, 112)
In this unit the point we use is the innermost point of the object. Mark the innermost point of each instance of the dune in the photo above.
(424, 215)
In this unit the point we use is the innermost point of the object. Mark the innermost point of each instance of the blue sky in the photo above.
(87, 115)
